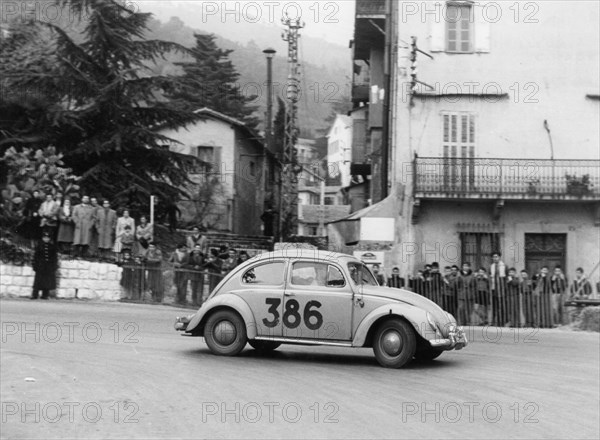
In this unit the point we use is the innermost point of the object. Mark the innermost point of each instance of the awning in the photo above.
(375, 223)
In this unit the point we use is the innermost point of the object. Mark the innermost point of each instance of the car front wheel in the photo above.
(264, 346)
(225, 333)
(394, 344)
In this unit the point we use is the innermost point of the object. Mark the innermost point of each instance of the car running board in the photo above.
(304, 341)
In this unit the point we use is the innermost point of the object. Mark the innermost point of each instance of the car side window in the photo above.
(309, 274)
(317, 274)
(270, 274)
(335, 277)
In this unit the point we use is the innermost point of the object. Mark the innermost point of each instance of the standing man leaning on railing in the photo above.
(180, 260)
(559, 287)
(498, 289)
(196, 266)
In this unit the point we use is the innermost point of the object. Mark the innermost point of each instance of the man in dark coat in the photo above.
(196, 266)
(105, 222)
(396, 280)
(466, 288)
(45, 263)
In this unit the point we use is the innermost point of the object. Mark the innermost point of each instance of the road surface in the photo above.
(93, 370)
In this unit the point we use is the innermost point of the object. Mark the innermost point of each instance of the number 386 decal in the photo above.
(291, 314)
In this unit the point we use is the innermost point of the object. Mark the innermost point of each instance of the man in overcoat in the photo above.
(83, 217)
(45, 263)
(106, 221)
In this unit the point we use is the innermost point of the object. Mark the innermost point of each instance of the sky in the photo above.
(330, 20)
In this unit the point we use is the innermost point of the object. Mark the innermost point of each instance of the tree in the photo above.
(106, 110)
(210, 80)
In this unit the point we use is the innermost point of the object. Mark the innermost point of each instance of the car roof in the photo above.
(304, 254)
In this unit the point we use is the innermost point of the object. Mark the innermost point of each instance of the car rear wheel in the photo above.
(264, 346)
(394, 344)
(427, 354)
(225, 333)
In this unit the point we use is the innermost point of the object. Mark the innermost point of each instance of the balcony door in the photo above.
(458, 140)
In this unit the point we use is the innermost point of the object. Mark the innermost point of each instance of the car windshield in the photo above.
(361, 275)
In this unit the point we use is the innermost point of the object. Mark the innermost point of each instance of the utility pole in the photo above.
(270, 53)
(288, 198)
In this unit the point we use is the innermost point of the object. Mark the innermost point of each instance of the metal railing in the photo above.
(504, 302)
(154, 283)
(506, 178)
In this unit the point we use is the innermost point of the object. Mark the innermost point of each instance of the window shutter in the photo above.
(218, 167)
(482, 30)
(438, 29)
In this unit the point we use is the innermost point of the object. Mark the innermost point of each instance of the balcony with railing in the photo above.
(531, 179)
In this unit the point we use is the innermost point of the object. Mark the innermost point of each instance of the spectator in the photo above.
(542, 299)
(379, 277)
(213, 265)
(144, 234)
(127, 239)
(59, 199)
(172, 211)
(153, 260)
(48, 213)
(106, 221)
(268, 219)
(559, 285)
(30, 227)
(66, 228)
(196, 264)
(230, 263)
(581, 288)
(427, 270)
(197, 238)
(466, 286)
(124, 220)
(483, 296)
(526, 288)
(435, 284)
(243, 256)
(396, 281)
(180, 259)
(45, 264)
(83, 218)
(417, 284)
(498, 287)
(512, 298)
(449, 289)
(93, 248)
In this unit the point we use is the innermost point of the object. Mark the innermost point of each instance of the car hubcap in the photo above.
(391, 342)
(225, 333)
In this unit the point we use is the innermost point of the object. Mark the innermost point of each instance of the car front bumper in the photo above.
(456, 340)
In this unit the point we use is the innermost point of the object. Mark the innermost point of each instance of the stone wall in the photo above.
(76, 279)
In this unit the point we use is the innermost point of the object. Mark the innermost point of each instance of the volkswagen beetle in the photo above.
(310, 297)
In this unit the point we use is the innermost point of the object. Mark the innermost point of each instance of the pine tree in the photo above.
(108, 111)
(210, 80)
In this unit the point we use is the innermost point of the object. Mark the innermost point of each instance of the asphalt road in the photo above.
(92, 370)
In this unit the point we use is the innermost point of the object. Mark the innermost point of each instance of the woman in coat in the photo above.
(144, 235)
(66, 227)
(123, 221)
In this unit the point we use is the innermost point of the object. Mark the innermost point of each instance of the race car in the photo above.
(311, 297)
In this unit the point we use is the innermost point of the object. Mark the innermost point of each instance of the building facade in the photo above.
(493, 132)
(237, 177)
(339, 149)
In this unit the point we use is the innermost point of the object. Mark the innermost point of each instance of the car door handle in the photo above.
(289, 294)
